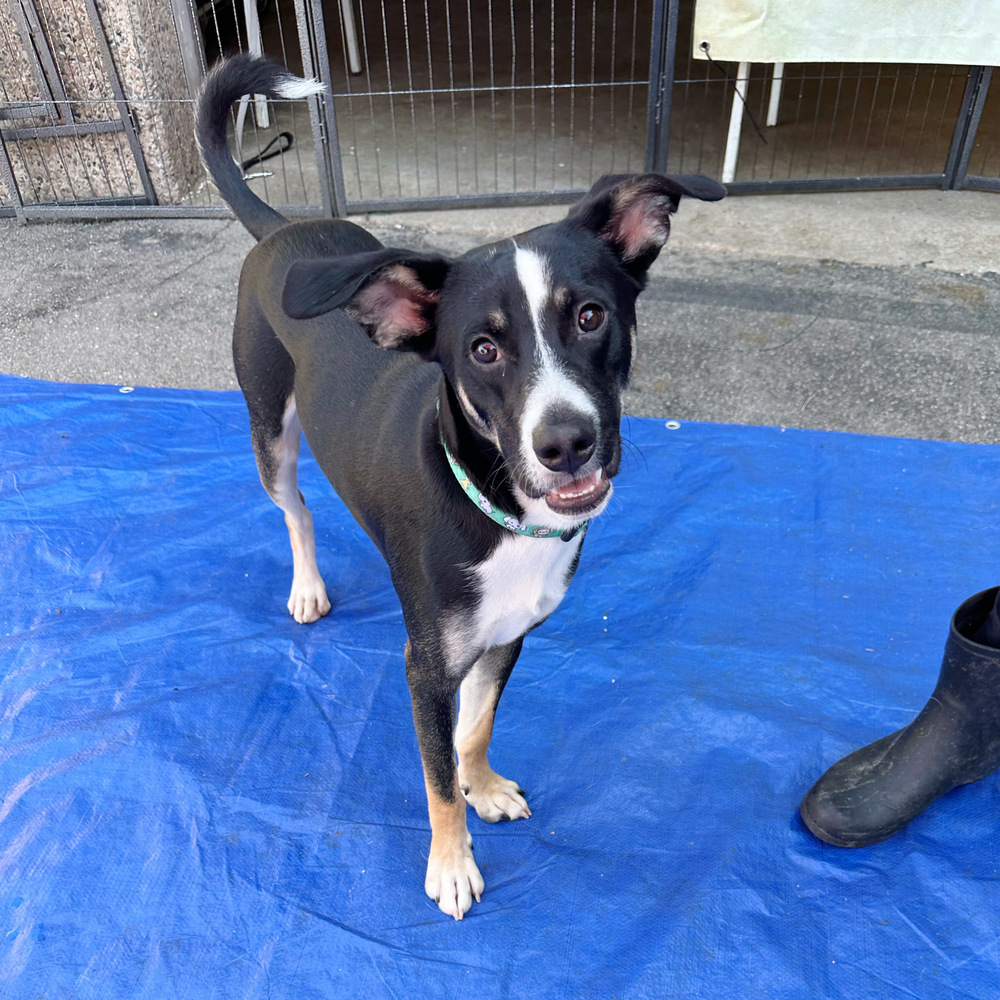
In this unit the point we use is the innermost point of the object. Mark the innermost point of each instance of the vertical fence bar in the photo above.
(10, 181)
(330, 112)
(662, 59)
(303, 22)
(987, 176)
(191, 46)
(631, 77)
(969, 117)
(316, 64)
(124, 111)
(27, 22)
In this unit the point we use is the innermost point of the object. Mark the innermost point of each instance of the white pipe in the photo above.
(735, 125)
(772, 104)
(351, 34)
(256, 47)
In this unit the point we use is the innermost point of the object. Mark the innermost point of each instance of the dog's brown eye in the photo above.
(485, 351)
(591, 317)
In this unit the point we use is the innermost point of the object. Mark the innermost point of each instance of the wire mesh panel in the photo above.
(502, 97)
(273, 140)
(813, 124)
(447, 102)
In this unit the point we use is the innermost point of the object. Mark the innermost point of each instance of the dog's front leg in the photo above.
(495, 798)
(452, 876)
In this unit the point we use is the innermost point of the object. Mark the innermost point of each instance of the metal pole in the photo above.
(124, 111)
(189, 40)
(654, 90)
(329, 112)
(973, 102)
(7, 174)
(775, 102)
(316, 63)
(735, 124)
(662, 60)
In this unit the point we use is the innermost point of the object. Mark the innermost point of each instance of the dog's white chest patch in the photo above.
(521, 583)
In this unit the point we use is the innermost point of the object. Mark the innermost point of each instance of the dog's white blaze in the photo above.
(295, 88)
(536, 280)
(551, 387)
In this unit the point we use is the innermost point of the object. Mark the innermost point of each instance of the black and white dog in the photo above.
(467, 411)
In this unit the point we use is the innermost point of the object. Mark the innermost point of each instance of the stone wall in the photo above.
(147, 58)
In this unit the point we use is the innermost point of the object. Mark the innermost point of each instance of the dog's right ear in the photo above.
(630, 213)
(392, 294)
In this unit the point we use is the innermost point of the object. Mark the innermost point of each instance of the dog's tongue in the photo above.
(579, 494)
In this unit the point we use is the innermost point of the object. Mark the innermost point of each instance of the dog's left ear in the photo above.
(631, 213)
(391, 293)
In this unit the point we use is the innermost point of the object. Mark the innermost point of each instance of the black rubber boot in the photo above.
(875, 791)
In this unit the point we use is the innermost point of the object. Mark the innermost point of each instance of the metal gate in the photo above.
(117, 173)
(97, 111)
(441, 103)
(533, 100)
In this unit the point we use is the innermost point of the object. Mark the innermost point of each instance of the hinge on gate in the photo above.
(133, 119)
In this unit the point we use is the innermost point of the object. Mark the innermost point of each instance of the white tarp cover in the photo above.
(960, 32)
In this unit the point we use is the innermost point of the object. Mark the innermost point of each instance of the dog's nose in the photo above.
(565, 445)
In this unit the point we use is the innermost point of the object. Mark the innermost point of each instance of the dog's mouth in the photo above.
(579, 496)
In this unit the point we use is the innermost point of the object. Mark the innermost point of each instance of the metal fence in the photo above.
(449, 103)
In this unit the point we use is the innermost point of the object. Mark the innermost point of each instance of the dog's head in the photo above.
(535, 334)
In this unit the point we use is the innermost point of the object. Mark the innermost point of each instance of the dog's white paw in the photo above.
(308, 601)
(453, 878)
(496, 799)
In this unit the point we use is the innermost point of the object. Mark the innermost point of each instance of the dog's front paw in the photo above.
(308, 601)
(453, 878)
(496, 799)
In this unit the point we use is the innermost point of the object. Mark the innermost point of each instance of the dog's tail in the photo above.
(228, 81)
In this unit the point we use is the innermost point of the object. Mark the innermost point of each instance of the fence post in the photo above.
(191, 45)
(662, 58)
(316, 64)
(966, 127)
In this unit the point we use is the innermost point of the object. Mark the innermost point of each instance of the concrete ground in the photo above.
(871, 312)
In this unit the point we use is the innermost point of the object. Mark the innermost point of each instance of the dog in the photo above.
(467, 412)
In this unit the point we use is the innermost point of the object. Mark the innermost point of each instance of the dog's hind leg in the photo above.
(493, 797)
(267, 376)
(307, 601)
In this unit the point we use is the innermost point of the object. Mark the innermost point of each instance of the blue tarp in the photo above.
(201, 799)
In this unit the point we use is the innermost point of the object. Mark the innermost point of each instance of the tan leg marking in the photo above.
(493, 797)
(452, 876)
